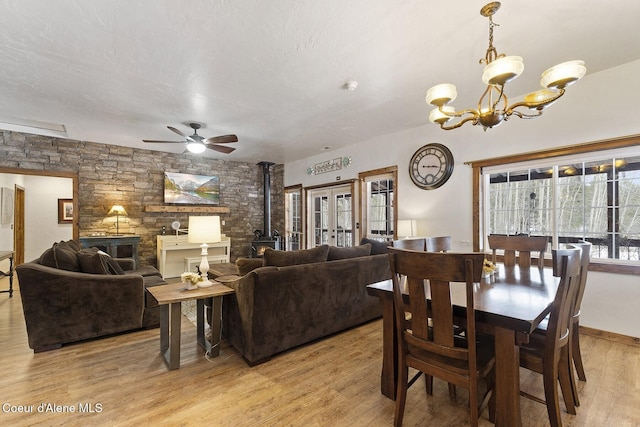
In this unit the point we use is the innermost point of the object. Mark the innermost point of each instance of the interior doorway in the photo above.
(18, 226)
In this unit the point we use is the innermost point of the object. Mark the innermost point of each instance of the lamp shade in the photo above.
(503, 70)
(441, 94)
(204, 229)
(117, 210)
(407, 228)
(562, 75)
(437, 116)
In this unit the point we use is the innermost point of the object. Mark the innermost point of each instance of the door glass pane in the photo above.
(344, 221)
(321, 219)
(380, 209)
(293, 219)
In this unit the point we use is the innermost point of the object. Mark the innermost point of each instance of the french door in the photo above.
(331, 214)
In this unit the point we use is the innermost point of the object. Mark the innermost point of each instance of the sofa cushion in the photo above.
(377, 247)
(145, 271)
(62, 255)
(349, 252)
(277, 258)
(246, 265)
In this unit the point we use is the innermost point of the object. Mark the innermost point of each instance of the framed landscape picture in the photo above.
(65, 211)
(188, 189)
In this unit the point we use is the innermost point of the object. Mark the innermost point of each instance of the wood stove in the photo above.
(264, 238)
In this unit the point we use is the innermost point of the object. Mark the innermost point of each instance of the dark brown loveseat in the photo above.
(276, 308)
(71, 294)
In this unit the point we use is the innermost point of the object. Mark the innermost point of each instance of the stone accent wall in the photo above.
(134, 178)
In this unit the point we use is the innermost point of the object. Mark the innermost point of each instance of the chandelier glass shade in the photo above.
(493, 107)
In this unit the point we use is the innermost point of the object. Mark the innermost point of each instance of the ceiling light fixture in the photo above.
(493, 106)
(196, 147)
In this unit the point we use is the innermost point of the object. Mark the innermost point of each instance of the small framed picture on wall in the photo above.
(65, 211)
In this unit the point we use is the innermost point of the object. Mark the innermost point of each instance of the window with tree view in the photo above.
(597, 200)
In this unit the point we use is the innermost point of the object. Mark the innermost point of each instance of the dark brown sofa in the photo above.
(71, 294)
(281, 306)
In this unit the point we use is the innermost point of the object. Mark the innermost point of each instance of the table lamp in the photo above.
(118, 211)
(204, 229)
(407, 228)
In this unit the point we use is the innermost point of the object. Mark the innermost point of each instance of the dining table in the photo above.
(509, 305)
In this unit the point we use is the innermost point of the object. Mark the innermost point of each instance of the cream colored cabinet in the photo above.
(175, 253)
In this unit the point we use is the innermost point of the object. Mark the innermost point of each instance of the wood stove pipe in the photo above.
(266, 182)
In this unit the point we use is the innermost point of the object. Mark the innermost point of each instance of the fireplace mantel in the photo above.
(199, 209)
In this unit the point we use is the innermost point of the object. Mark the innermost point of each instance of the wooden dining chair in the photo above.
(438, 244)
(411, 244)
(434, 349)
(548, 354)
(523, 245)
(575, 354)
(575, 337)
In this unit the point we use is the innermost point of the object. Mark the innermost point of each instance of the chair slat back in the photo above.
(411, 244)
(567, 263)
(439, 269)
(585, 258)
(438, 244)
(523, 245)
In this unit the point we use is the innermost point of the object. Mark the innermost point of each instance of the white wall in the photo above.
(41, 213)
(610, 300)
(6, 230)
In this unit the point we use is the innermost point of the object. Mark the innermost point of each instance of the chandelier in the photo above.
(493, 106)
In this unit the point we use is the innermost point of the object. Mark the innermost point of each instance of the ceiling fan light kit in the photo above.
(197, 144)
(493, 107)
(196, 147)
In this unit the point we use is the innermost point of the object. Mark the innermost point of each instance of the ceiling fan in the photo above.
(197, 144)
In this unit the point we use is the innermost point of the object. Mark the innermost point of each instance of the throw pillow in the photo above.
(350, 252)
(276, 258)
(377, 247)
(48, 259)
(246, 265)
(66, 256)
(93, 262)
(114, 266)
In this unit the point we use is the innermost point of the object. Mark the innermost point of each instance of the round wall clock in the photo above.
(431, 166)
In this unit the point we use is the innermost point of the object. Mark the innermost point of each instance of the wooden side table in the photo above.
(8, 255)
(170, 297)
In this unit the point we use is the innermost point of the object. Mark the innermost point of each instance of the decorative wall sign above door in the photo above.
(329, 166)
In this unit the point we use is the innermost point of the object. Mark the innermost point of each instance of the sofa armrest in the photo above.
(126, 263)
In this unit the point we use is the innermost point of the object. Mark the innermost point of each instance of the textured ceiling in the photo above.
(272, 72)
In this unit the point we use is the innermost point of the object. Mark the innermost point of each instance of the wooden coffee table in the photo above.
(170, 297)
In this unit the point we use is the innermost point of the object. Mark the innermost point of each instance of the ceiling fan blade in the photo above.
(163, 142)
(221, 139)
(220, 148)
(179, 132)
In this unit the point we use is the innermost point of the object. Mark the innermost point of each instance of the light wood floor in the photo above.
(333, 382)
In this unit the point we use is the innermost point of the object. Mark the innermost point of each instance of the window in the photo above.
(293, 217)
(590, 195)
(378, 201)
